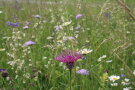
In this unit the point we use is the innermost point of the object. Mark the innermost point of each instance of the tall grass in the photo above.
(106, 30)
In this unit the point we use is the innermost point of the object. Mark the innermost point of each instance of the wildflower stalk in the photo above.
(70, 72)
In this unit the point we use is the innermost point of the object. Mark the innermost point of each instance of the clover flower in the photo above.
(69, 58)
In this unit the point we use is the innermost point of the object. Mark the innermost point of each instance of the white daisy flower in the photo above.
(114, 78)
(86, 51)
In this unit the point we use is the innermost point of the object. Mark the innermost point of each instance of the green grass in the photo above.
(113, 36)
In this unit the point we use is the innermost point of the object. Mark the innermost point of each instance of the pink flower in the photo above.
(78, 16)
(29, 43)
(69, 58)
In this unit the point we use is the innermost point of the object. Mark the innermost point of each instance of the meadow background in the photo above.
(105, 28)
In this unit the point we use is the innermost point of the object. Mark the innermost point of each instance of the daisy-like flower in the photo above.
(29, 43)
(125, 82)
(83, 72)
(69, 58)
(114, 78)
(78, 16)
(86, 51)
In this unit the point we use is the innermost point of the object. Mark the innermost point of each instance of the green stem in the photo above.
(70, 79)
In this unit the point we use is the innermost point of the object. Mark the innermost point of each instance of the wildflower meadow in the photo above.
(67, 44)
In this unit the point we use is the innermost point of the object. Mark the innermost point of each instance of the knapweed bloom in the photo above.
(9, 23)
(78, 16)
(83, 72)
(29, 43)
(69, 58)
(16, 24)
(114, 78)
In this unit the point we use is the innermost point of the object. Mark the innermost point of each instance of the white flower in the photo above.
(114, 78)
(114, 84)
(1, 12)
(100, 59)
(109, 61)
(86, 51)
(134, 72)
(3, 49)
(125, 82)
(127, 88)
(66, 23)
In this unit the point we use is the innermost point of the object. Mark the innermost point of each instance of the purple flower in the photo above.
(25, 27)
(37, 16)
(9, 23)
(69, 58)
(84, 58)
(27, 23)
(78, 16)
(83, 72)
(107, 15)
(1, 70)
(123, 75)
(56, 28)
(16, 24)
(29, 43)
(78, 27)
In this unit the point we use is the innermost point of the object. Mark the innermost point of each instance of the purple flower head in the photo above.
(78, 27)
(83, 72)
(27, 23)
(78, 16)
(69, 58)
(37, 16)
(9, 23)
(1, 70)
(84, 58)
(56, 28)
(25, 27)
(29, 43)
(16, 24)
(123, 75)
(107, 15)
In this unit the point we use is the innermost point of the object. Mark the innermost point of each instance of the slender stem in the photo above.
(70, 79)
